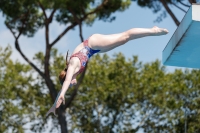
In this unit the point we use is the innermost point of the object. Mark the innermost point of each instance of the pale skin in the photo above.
(103, 43)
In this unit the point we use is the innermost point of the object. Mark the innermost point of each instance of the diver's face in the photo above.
(73, 82)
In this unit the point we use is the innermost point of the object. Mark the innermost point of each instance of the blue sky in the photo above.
(147, 49)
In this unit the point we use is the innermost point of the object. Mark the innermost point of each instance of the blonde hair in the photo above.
(63, 73)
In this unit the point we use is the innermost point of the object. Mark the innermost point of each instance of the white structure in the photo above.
(183, 49)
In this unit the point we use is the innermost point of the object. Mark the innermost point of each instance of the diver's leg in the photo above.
(108, 42)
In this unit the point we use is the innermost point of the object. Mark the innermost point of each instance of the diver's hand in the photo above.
(73, 82)
(61, 99)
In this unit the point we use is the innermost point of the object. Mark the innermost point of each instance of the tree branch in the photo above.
(48, 49)
(17, 46)
(11, 30)
(51, 16)
(23, 23)
(43, 10)
(80, 32)
(46, 23)
(183, 3)
(178, 7)
(26, 59)
(79, 23)
(50, 85)
(19, 49)
(74, 24)
(22, 28)
(170, 12)
(63, 33)
(20, 17)
(47, 34)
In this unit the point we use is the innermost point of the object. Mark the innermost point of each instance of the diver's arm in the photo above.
(60, 97)
(66, 84)
(68, 79)
(72, 68)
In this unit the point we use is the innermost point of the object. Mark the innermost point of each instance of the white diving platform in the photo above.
(183, 49)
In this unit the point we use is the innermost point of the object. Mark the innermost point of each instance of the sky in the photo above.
(148, 49)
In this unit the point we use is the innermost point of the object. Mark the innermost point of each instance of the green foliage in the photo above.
(27, 15)
(22, 14)
(117, 95)
(14, 88)
(22, 96)
(156, 6)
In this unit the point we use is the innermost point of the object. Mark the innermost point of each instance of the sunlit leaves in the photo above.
(117, 95)
(115, 90)
(22, 97)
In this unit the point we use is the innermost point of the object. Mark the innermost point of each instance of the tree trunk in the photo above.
(61, 110)
(62, 119)
(170, 12)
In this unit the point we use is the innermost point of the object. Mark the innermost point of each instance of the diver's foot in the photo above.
(159, 31)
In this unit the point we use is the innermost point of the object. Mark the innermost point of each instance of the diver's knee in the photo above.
(125, 37)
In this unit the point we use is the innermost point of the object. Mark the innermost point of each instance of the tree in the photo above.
(126, 95)
(24, 18)
(19, 95)
(156, 6)
(106, 100)
(123, 95)
(167, 99)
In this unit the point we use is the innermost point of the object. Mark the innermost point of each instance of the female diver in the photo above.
(97, 43)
